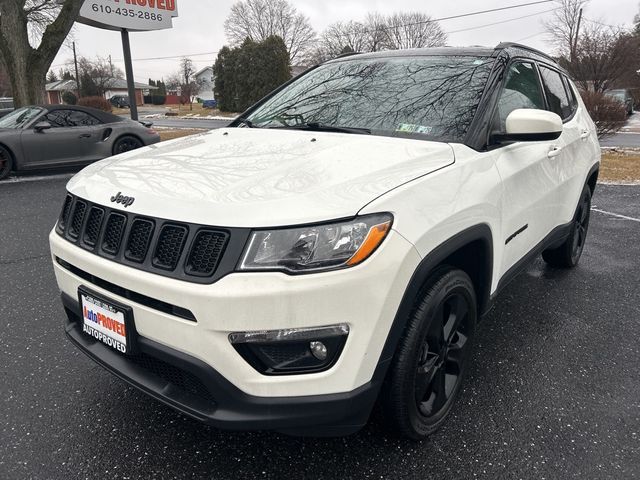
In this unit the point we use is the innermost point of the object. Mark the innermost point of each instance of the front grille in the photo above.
(113, 233)
(169, 248)
(177, 377)
(92, 230)
(190, 252)
(206, 252)
(139, 238)
(66, 210)
(77, 219)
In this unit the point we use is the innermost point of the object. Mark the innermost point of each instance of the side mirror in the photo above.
(40, 126)
(531, 125)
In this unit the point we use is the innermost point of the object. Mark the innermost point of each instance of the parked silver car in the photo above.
(38, 137)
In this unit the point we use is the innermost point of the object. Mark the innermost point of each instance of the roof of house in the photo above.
(202, 70)
(113, 83)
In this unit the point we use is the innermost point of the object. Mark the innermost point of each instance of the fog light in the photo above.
(291, 351)
(319, 350)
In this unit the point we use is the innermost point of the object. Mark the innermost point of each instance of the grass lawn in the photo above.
(170, 134)
(198, 111)
(620, 166)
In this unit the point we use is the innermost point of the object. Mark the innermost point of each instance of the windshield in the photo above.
(20, 117)
(430, 97)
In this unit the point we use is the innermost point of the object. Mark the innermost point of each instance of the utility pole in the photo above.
(111, 66)
(128, 68)
(75, 61)
(575, 40)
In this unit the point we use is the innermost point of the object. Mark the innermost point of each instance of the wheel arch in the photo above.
(14, 158)
(460, 251)
(592, 177)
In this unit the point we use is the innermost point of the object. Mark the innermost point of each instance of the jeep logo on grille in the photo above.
(126, 201)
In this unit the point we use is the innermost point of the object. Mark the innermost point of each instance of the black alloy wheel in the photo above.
(441, 359)
(126, 144)
(427, 371)
(567, 255)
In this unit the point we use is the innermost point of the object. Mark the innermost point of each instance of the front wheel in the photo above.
(6, 163)
(427, 371)
(126, 144)
(568, 254)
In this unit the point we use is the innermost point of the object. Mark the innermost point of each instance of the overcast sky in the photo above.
(199, 27)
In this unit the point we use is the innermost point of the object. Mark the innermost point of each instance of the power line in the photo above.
(503, 21)
(451, 17)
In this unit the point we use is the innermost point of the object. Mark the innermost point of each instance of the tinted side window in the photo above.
(556, 94)
(58, 118)
(521, 90)
(81, 119)
(572, 95)
(70, 118)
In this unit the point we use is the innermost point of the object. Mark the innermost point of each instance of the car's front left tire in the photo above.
(426, 373)
(6, 162)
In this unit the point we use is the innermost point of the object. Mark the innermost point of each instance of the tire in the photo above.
(568, 254)
(427, 370)
(126, 143)
(6, 163)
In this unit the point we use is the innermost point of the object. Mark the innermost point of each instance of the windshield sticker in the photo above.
(411, 128)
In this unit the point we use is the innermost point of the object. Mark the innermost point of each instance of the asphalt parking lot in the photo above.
(554, 391)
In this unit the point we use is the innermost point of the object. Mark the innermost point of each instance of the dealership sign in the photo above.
(133, 15)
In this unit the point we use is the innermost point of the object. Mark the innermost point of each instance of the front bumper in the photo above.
(194, 388)
(339, 399)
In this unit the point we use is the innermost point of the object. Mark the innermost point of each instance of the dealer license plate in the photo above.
(105, 321)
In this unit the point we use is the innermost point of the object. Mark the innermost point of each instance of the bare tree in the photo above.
(261, 19)
(189, 85)
(378, 32)
(412, 30)
(562, 28)
(100, 70)
(31, 33)
(602, 57)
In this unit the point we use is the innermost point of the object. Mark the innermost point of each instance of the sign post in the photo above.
(129, 16)
(128, 68)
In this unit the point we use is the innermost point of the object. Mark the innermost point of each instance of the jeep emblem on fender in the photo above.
(126, 201)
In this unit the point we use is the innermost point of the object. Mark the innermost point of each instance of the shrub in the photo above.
(69, 98)
(95, 102)
(608, 114)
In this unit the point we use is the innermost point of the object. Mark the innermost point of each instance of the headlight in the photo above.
(316, 247)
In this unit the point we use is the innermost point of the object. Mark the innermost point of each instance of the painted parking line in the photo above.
(40, 178)
(617, 215)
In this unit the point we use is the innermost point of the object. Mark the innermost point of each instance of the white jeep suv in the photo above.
(336, 245)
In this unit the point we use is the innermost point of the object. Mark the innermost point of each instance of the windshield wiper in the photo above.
(319, 127)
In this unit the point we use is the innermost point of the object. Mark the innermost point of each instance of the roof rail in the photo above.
(503, 45)
(347, 54)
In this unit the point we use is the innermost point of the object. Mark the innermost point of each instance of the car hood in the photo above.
(241, 177)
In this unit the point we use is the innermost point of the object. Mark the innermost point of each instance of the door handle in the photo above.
(585, 134)
(554, 151)
(85, 135)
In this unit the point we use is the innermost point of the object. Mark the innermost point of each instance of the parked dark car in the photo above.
(38, 137)
(120, 101)
(6, 106)
(623, 96)
(209, 104)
